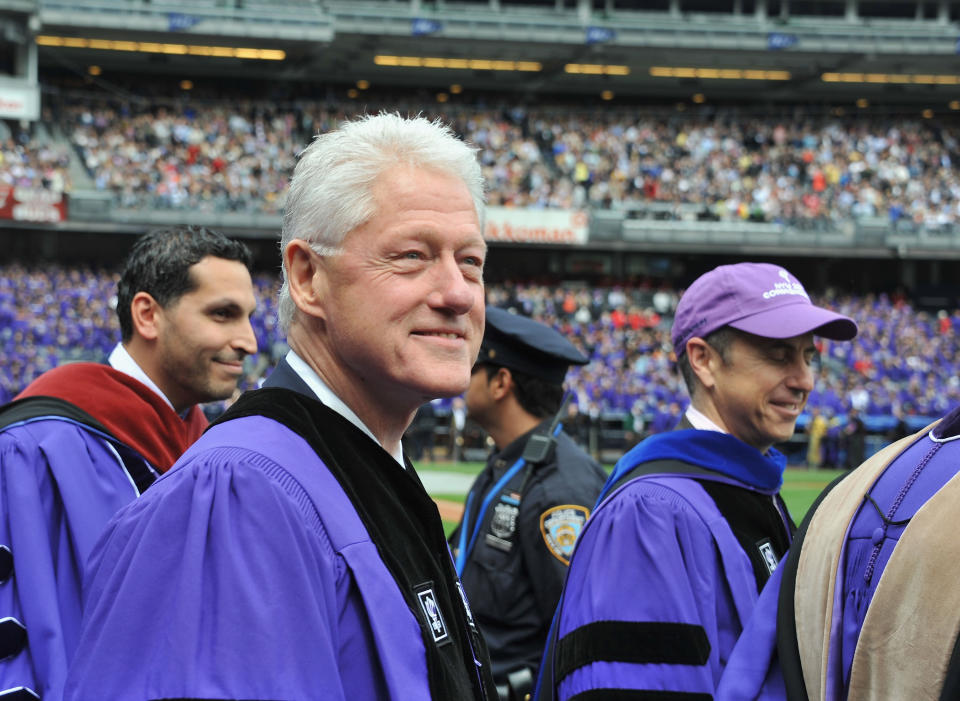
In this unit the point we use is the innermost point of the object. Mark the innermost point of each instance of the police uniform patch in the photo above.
(768, 555)
(561, 526)
(431, 611)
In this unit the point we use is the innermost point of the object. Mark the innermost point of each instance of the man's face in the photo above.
(403, 302)
(763, 386)
(204, 335)
(477, 397)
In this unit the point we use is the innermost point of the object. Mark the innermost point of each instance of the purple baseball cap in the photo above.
(759, 298)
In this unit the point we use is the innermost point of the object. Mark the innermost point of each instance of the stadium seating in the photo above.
(55, 314)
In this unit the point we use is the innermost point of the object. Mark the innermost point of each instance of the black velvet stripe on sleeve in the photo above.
(639, 695)
(637, 643)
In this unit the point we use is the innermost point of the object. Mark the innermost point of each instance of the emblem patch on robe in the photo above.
(768, 555)
(431, 611)
(561, 526)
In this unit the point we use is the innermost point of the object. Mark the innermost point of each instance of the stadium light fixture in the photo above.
(363, 84)
(456, 89)
(863, 103)
(595, 69)
(94, 70)
(150, 47)
(606, 95)
(927, 114)
(717, 73)
(699, 98)
(954, 104)
(892, 78)
(472, 64)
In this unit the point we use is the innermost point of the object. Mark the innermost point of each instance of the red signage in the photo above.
(32, 204)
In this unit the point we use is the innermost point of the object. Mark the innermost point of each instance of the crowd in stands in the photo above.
(904, 365)
(806, 170)
(58, 314)
(27, 162)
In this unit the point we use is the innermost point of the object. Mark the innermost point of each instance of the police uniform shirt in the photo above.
(515, 571)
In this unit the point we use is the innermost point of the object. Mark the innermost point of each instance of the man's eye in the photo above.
(474, 260)
(413, 255)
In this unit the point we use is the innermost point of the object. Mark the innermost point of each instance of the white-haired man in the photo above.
(293, 553)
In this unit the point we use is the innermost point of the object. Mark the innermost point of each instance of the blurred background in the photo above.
(628, 147)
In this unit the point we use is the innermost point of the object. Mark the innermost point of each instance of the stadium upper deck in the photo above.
(858, 57)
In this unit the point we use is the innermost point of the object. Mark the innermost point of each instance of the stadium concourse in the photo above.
(904, 364)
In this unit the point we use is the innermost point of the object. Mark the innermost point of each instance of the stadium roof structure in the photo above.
(550, 48)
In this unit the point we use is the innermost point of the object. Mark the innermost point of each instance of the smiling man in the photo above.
(84, 439)
(293, 552)
(690, 524)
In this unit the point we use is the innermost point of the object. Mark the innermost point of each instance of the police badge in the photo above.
(503, 525)
(560, 526)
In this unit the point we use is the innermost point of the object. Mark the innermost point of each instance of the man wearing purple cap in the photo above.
(690, 524)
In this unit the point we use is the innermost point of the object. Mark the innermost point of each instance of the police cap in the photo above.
(522, 344)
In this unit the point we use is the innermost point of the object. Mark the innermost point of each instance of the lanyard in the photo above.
(463, 552)
(464, 548)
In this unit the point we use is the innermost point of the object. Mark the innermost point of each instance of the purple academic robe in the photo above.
(910, 479)
(60, 483)
(245, 573)
(659, 551)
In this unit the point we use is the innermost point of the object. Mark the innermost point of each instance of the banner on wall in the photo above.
(536, 225)
(19, 100)
(32, 204)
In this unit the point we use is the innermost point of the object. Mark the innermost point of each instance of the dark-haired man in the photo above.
(526, 508)
(691, 525)
(84, 439)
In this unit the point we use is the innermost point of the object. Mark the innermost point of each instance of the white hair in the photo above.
(331, 191)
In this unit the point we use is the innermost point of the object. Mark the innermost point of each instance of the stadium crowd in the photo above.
(28, 162)
(903, 364)
(805, 170)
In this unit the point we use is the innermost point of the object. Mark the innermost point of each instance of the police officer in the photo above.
(526, 508)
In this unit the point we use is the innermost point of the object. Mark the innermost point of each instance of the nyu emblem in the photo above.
(428, 603)
(560, 527)
(787, 287)
(768, 555)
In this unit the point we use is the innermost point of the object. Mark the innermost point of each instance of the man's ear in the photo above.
(147, 316)
(501, 383)
(703, 361)
(306, 277)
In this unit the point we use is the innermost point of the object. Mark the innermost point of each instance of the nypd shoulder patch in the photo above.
(560, 527)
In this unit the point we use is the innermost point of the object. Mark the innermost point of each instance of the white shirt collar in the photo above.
(121, 360)
(326, 395)
(700, 421)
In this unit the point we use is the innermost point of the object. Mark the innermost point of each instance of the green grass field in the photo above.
(800, 486)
